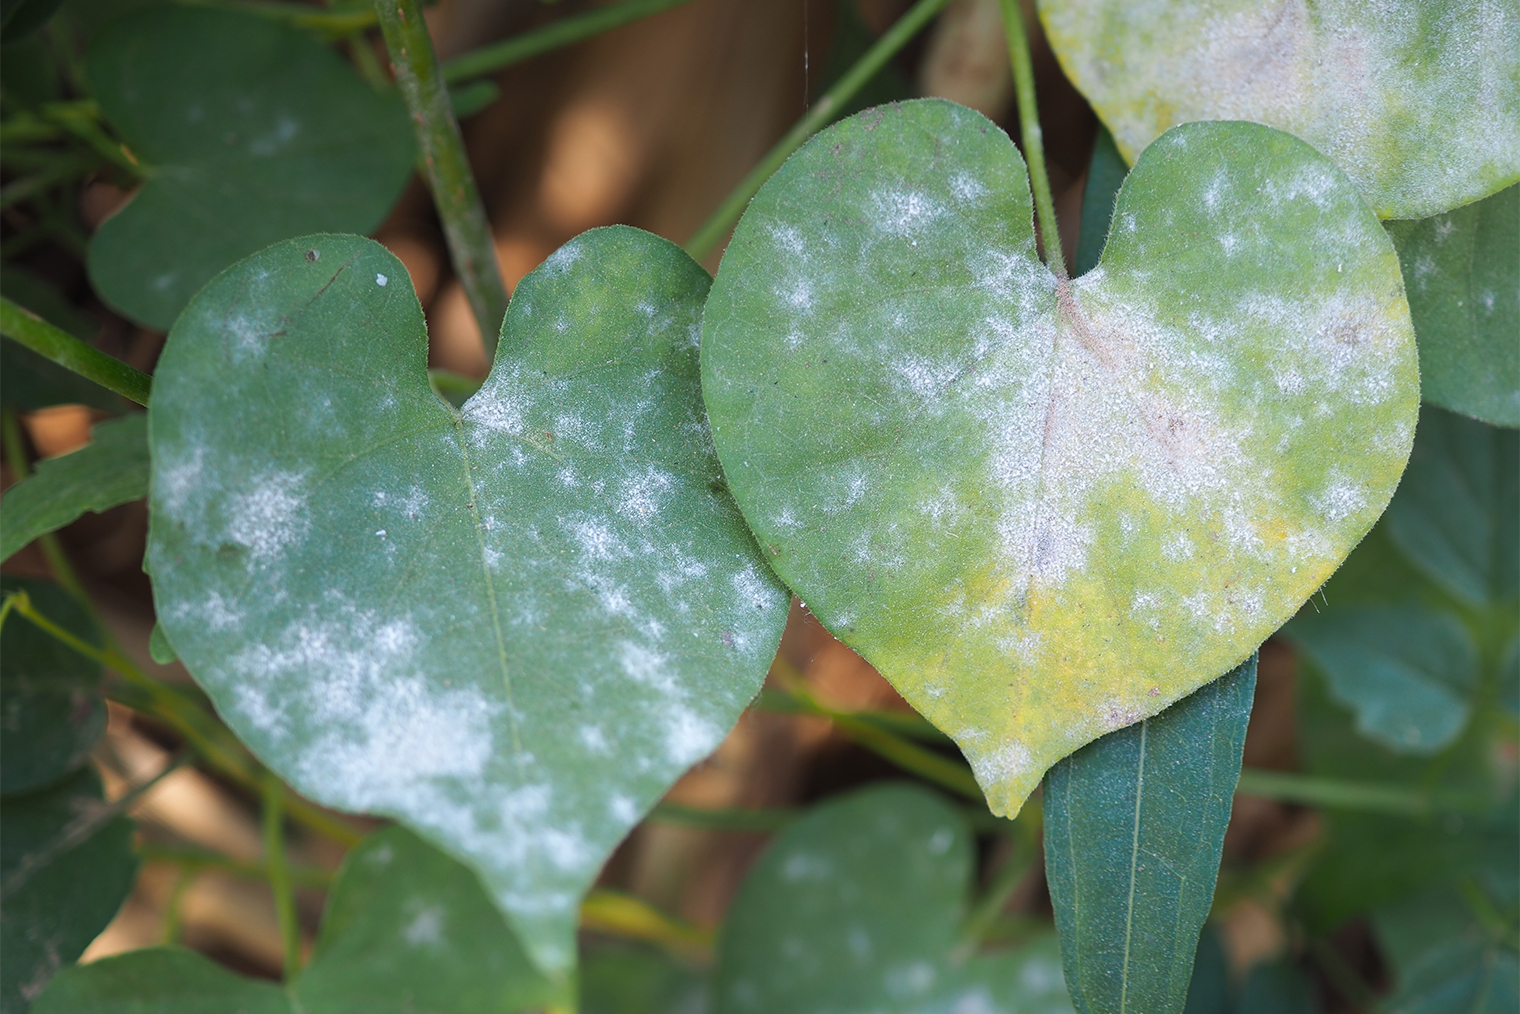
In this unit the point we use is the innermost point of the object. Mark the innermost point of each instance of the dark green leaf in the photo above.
(1276, 987)
(1209, 990)
(112, 469)
(19, 18)
(1134, 824)
(1045, 509)
(860, 907)
(252, 132)
(1443, 961)
(1457, 515)
(407, 930)
(1408, 673)
(64, 871)
(627, 980)
(51, 709)
(1419, 102)
(1105, 174)
(511, 627)
(1463, 281)
(29, 381)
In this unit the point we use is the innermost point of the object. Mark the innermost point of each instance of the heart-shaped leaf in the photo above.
(1463, 280)
(66, 865)
(1046, 510)
(407, 929)
(1419, 102)
(860, 907)
(51, 709)
(511, 627)
(250, 131)
(1134, 827)
(112, 469)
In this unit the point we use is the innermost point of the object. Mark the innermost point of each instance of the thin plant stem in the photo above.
(174, 923)
(1029, 130)
(1338, 794)
(278, 869)
(363, 55)
(487, 59)
(445, 163)
(712, 231)
(984, 914)
(52, 549)
(627, 916)
(26, 328)
(199, 859)
(334, 22)
(194, 723)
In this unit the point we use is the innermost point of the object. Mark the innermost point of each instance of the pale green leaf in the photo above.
(511, 627)
(251, 131)
(1134, 825)
(51, 709)
(112, 469)
(66, 865)
(860, 907)
(1418, 101)
(1462, 273)
(1043, 510)
(406, 930)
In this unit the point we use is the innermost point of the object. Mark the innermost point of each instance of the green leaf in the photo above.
(1408, 673)
(860, 906)
(620, 979)
(512, 627)
(1134, 825)
(51, 709)
(1277, 987)
(1047, 510)
(1105, 174)
(29, 381)
(407, 929)
(1463, 281)
(1418, 102)
(112, 469)
(251, 131)
(1457, 515)
(1443, 960)
(65, 871)
(159, 648)
(1209, 989)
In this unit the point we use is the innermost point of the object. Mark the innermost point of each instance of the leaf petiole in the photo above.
(1030, 134)
(26, 328)
(277, 868)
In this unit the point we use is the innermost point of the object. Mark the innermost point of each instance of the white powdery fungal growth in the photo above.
(500, 404)
(903, 212)
(271, 517)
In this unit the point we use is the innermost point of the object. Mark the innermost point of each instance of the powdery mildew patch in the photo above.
(1419, 102)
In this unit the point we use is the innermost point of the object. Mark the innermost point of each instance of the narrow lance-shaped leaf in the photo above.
(112, 469)
(1134, 826)
(1463, 279)
(1046, 510)
(251, 131)
(861, 906)
(512, 627)
(1419, 102)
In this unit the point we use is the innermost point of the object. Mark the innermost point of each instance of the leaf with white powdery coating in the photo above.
(251, 130)
(112, 469)
(1134, 825)
(861, 906)
(1419, 102)
(511, 627)
(1046, 510)
(1462, 273)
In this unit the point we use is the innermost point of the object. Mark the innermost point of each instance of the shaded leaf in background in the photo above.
(51, 709)
(860, 906)
(1457, 515)
(407, 929)
(623, 979)
(63, 874)
(1105, 174)
(1209, 989)
(1443, 960)
(1419, 102)
(1277, 987)
(848, 42)
(511, 627)
(1408, 673)
(1134, 825)
(1462, 276)
(20, 18)
(29, 381)
(1045, 510)
(251, 131)
(112, 469)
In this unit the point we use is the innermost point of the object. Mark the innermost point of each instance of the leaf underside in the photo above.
(1418, 102)
(512, 627)
(1046, 511)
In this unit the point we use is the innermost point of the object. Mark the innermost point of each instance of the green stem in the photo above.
(333, 22)
(1029, 130)
(25, 327)
(82, 119)
(985, 913)
(52, 549)
(198, 859)
(174, 924)
(1336, 794)
(485, 60)
(445, 163)
(194, 724)
(627, 916)
(712, 231)
(278, 869)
